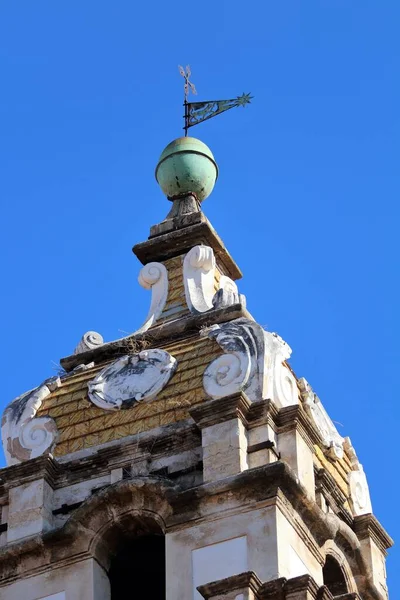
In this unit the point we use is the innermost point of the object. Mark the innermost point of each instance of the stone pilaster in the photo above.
(374, 541)
(295, 445)
(224, 440)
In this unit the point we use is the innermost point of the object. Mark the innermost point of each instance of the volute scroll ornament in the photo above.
(199, 278)
(154, 277)
(253, 363)
(360, 500)
(23, 435)
(131, 379)
(89, 341)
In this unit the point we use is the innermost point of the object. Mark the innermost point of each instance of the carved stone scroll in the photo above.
(359, 491)
(132, 378)
(90, 340)
(330, 436)
(154, 276)
(227, 294)
(281, 385)
(253, 363)
(199, 278)
(23, 435)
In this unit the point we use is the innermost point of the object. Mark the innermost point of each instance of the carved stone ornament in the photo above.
(227, 294)
(331, 438)
(154, 276)
(132, 378)
(23, 435)
(359, 491)
(199, 278)
(90, 340)
(253, 363)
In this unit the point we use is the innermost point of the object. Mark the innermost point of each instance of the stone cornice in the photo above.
(159, 334)
(261, 483)
(221, 410)
(295, 417)
(240, 581)
(170, 439)
(368, 526)
(180, 241)
(43, 467)
(328, 485)
(273, 590)
(303, 583)
(263, 412)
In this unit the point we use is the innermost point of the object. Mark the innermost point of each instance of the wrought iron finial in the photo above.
(197, 112)
(188, 87)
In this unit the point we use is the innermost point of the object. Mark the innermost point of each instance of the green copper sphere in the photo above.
(187, 166)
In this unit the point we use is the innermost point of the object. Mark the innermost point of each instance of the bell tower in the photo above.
(186, 460)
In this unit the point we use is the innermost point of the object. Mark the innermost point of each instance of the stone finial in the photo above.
(187, 167)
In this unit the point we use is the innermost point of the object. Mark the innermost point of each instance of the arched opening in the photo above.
(138, 568)
(333, 577)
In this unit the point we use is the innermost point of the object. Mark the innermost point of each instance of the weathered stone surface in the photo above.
(132, 378)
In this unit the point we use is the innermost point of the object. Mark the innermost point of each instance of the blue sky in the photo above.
(307, 198)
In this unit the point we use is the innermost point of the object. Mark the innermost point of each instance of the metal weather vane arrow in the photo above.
(197, 112)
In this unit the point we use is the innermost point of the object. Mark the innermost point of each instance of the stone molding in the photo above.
(178, 329)
(330, 436)
(24, 435)
(131, 379)
(326, 484)
(368, 526)
(180, 241)
(303, 587)
(295, 417)
(210, 413)
(234, 583)
(154, 277)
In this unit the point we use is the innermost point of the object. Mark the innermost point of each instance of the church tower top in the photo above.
(194, 428)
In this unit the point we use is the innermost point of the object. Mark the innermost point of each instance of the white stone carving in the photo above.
(154, 276)
(281, 385)
(227, 294)
(359, 491)
(240, 369)
(253, 363)
(90, 340)
(132, 378)
(199, 278)
(330, 436)
(23, 435)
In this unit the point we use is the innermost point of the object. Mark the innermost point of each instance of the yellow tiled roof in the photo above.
(82, 425)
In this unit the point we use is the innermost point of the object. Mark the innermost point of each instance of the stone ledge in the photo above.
(172, 330)
(217, 411)
(366, 526)
(234, 583)
(180, 241)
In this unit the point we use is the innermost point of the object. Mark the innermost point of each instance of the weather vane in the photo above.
(197, 112)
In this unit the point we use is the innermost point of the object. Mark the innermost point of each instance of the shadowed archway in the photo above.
(334, 578)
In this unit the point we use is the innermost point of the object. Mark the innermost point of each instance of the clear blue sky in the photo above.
(307, 199)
